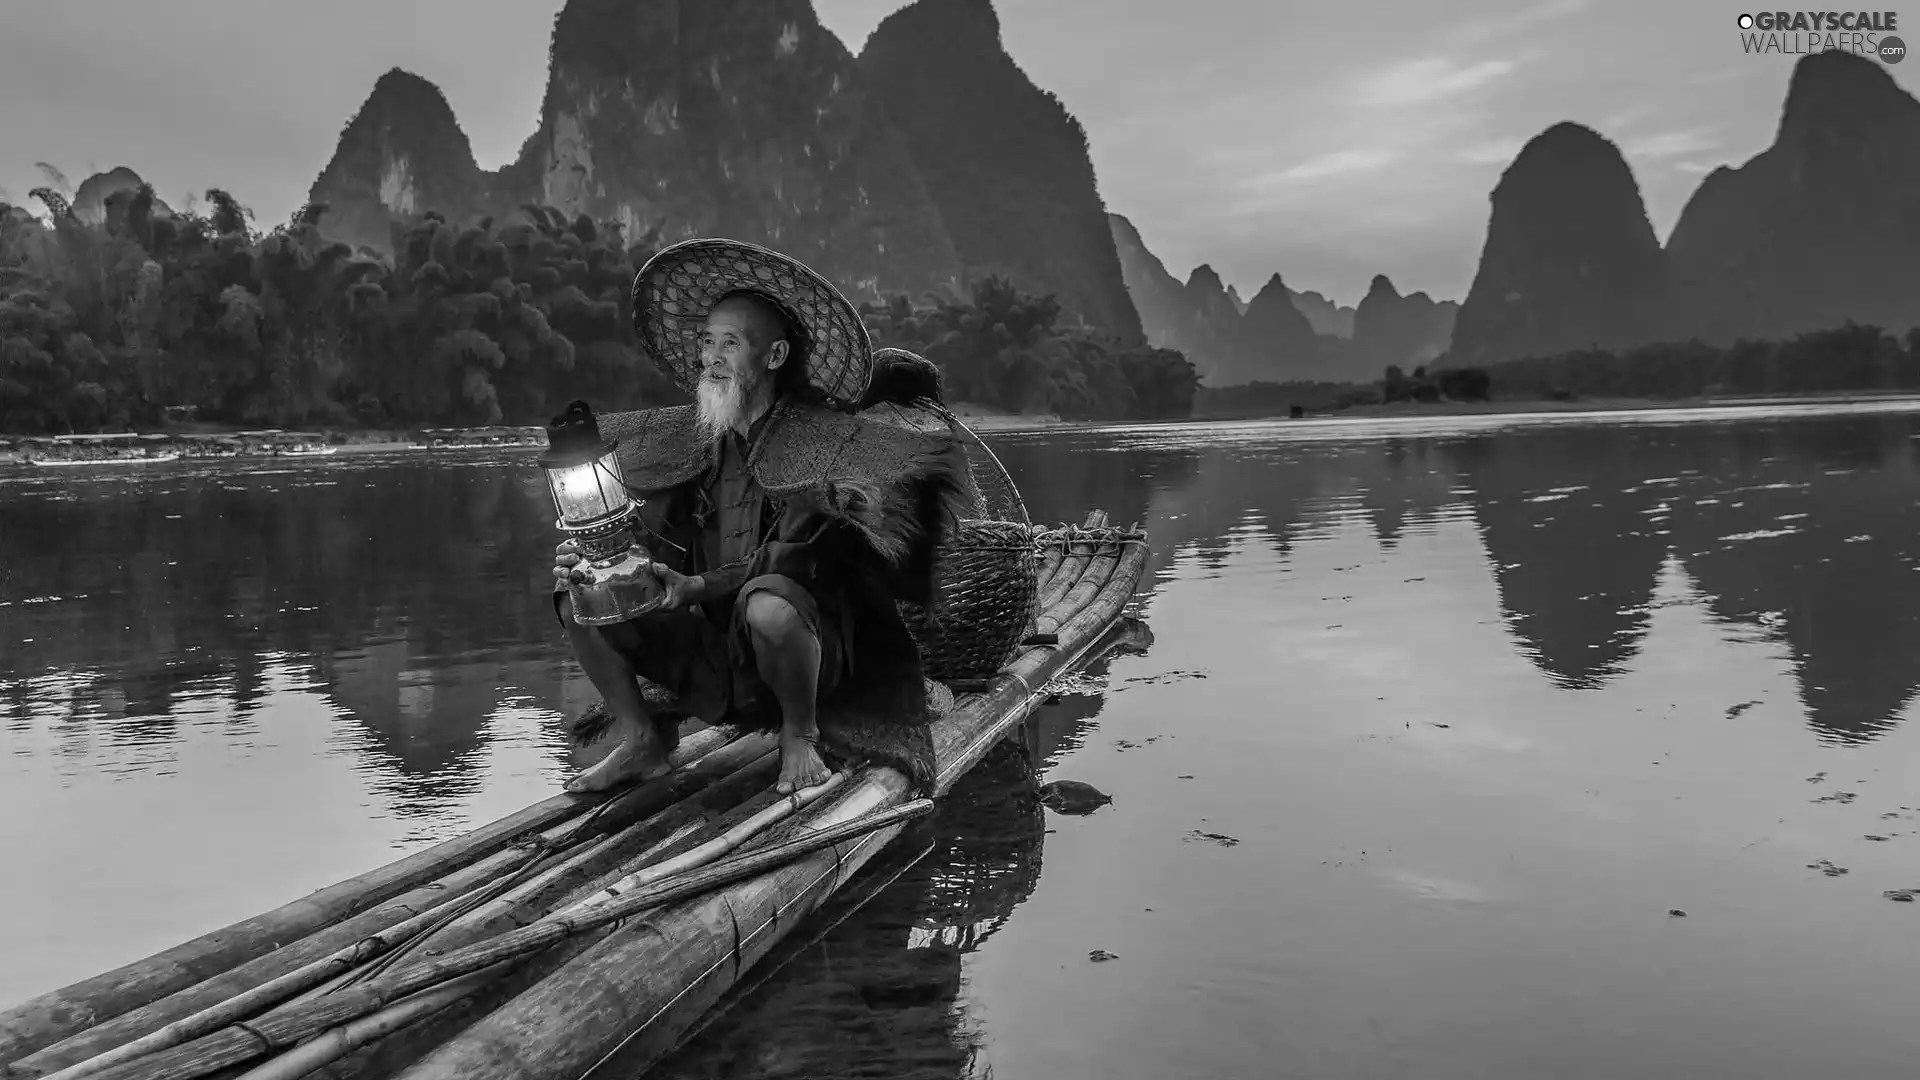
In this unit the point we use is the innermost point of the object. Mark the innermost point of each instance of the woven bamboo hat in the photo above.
(675, 290)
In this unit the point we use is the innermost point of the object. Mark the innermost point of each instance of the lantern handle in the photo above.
(637, 498)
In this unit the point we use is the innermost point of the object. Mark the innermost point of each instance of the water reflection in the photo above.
(323, 663)
(878, 994)
(410, 594)
(406, 594)
(1795, 526)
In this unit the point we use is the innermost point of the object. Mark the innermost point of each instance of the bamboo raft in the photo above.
(582, 931)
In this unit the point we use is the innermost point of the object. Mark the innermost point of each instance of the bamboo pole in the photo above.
(1049, 563)
(53, 1016)
(711, 809)
(875, 879)
(510, 889)
(712, 849)
(290, 1025)
(1098, 571)
(316, 1053)
(657, 975)
(1043, 580)
(1082, 589)
(1072, 563)
(1064, 568)
(280, 975)
(656, 837)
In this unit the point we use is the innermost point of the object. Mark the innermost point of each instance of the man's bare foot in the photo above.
(801, 766)
(637, 759)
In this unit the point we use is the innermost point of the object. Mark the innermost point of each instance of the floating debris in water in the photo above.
(1837, 797)
(1875, 836)
(1075, 683)
(1167, 677)
(1816, 778)
(1828, 868)
(1734, 711)
(1676, 913)
(1213, 837)
(1101, 956)
(1073, 797)
(1184, 776)
(1903, 896)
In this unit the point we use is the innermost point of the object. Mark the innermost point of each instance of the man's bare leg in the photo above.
(642, 752)
(788, 658)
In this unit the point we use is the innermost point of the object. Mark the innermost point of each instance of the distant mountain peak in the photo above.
(1819, 229)
(398, 80)
(402, 153)
(1279, 335)
(1568, 151)
(1838, 90)
(1004, 161)
(1570, 260)
(971, 23)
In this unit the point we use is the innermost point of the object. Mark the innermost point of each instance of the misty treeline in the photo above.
(1847, 358)
(1850, 357)
(104, 327)
(1395, 385)
(1005, 349)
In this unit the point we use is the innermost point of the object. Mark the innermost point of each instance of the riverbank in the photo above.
(213, 442)
(1416, 409)
(209, 441)
(201, 441)
(988, 420)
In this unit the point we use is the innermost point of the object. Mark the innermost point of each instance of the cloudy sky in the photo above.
(1325, 141)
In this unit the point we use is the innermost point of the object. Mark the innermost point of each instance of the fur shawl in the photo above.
(903, 491)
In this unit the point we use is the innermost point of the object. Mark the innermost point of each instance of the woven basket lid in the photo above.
(907, 391)
(675, 290)
(903, 377)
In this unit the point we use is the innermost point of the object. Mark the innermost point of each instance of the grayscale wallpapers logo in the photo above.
(1798, 33)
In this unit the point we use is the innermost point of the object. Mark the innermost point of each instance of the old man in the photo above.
(783, 529)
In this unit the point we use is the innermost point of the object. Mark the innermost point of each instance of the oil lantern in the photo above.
(583, 475)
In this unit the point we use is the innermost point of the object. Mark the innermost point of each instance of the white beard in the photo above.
(721, 403)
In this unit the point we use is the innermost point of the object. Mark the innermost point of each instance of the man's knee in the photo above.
(771, 618)
(615, 638)
(563, 607)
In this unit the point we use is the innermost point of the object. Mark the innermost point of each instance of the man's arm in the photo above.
(802, 542)
(719, 582)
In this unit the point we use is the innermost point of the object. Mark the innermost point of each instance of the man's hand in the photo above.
(678, 590)
(566, 564)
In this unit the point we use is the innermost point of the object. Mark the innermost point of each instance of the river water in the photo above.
(1443, 723)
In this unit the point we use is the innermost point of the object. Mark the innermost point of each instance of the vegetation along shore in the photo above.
(119, 325)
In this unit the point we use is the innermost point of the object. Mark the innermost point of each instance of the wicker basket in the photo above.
(986, 587)
(984, 604)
